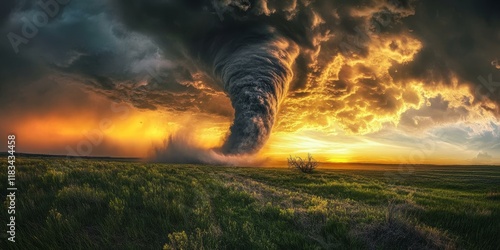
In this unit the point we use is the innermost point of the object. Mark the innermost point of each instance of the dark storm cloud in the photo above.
(84, 42)
(460, 38)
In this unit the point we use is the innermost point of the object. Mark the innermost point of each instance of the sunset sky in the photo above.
(393, 81)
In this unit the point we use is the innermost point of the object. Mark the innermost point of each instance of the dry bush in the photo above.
(306, 166)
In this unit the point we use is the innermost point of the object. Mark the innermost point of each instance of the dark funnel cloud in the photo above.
(255, 71)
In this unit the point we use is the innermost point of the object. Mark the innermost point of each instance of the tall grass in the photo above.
(84, 204)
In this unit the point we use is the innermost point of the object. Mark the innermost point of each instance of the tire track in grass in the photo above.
(310, 213)
(313, 215)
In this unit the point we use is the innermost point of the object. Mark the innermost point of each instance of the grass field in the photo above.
(97, 204)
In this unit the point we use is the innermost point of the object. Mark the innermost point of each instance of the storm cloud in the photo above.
(267, 64)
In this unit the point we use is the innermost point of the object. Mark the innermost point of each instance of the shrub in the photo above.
(306, 166)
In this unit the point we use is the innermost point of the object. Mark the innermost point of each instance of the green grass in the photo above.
(90, 204)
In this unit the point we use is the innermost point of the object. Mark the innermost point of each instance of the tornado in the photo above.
(248, 54)
(255, 70)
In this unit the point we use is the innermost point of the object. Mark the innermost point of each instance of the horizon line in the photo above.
(143, 158)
